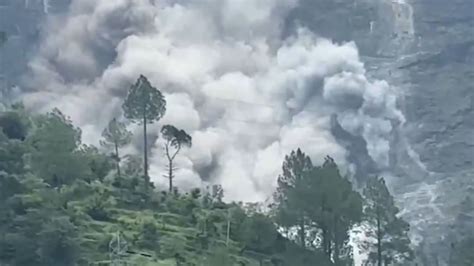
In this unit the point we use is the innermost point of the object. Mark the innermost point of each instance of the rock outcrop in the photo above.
(21, 21)
(426, 49)
(423, 47)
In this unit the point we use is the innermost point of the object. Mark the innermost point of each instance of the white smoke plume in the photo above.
(247, 96)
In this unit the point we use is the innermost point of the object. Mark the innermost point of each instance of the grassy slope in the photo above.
(96, 236)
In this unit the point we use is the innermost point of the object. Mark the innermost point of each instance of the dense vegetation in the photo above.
(66, 203)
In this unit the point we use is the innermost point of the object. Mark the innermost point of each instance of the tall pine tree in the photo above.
(335, 209)
(392, 244)
(116, 136)
(144, 105)
(289, 198)
(176, 139)
(320, 203)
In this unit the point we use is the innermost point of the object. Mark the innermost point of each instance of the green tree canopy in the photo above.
(116, 136)
(290, 203)
(56, 154)
(13, 125)
(175, 140)
(336, 208)
(145, 105)
(320, 202)
(392, 244)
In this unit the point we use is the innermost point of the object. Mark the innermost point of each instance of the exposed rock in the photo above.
(426, 48)
(21, 21)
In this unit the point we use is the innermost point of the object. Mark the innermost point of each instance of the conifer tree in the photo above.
(144, 105)
(116, 136)
(175, 140)
(290, 211)
(392, 244)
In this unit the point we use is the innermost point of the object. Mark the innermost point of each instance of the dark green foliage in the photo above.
(258, 233)
(149, 237)
(13, 125)
(295, 255)
(100, 165)
(116, 136)
(12, 155)
(320, 203)
(392, 244)
(99, 204)
(175, 140)
(144, 104)
(33, 231)
(171, 247)
(18, 249)
(58, 246)
(56, 156)
(289, 201)
(10, 185)
(60, 205)
(336, 209)
(196, 193)
(132, 165)
(218, 256)
(14, 128)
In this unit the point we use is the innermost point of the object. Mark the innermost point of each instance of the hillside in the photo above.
(62, 204)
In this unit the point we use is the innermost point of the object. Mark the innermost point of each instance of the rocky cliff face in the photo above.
(21, 21)
(440, 99)
(439, 106)
(426, 48)
(380, 28)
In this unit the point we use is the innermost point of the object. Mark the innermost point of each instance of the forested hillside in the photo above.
(66, 203)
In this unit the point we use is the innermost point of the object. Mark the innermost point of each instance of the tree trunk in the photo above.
(170, 175)
(145, 153)
(302, 233)
(117, 159)
(228, 229)
(336, 244)
(379, 241)
(325, 242)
